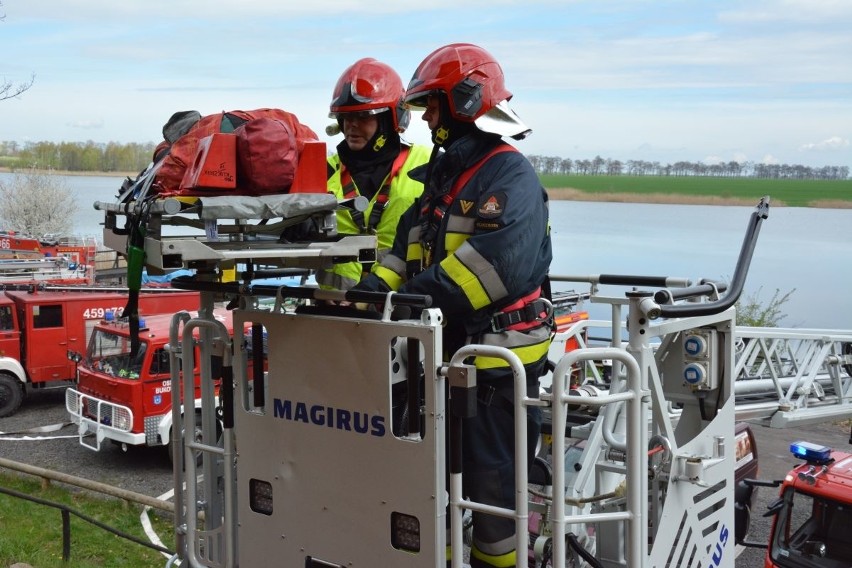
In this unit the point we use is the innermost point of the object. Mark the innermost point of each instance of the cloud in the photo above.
(212, 10)
(94, 124)
(832, 143)
(794, 11)
(769, 159)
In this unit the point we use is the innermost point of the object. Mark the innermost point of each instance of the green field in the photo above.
(794, 193)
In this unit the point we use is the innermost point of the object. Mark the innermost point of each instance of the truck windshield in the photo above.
(109, 353)
(812, 531)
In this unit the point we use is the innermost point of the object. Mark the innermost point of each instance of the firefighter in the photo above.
(478, 242)
(371, 161)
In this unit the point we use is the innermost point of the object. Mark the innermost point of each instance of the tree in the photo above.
(752, 312)
(36, 204)
(8, 89)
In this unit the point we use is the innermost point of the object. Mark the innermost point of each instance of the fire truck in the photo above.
(813, 512)
(127, 398)
(52, 259)
(339, 452)
(39, 325)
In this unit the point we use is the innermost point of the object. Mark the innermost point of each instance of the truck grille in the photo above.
(91, 408)
(106, 413)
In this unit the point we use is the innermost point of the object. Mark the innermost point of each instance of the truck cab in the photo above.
(813, 512)
(38, 327)
(128, 399)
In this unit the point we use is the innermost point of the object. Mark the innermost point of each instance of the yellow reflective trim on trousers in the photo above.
(391, 278)
(467, 281)
(507, 560)
(527, 354)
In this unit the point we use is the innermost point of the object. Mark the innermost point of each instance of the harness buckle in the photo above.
(538, 311)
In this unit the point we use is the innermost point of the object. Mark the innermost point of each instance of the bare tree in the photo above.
(8, 89)
(752, 311)
(37, 203)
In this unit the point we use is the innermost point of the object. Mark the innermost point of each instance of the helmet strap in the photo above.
(449, 128)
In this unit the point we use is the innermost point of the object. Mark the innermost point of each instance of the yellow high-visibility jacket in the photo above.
(397, 194)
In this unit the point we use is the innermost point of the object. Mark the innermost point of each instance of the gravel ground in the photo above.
(143, 470)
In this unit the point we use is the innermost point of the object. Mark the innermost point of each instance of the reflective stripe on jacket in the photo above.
(492, 248)
(403, 192)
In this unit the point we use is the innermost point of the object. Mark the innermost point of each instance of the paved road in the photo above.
(148, 471)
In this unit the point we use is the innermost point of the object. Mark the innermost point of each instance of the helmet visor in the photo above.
(419, 101)
(354, 115)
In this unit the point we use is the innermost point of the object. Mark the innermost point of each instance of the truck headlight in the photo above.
(121, 419)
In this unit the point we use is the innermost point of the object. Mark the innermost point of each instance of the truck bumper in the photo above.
(106, 420)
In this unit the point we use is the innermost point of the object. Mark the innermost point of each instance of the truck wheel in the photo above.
(11, 394)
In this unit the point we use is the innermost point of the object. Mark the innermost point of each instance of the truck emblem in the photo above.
(339, 418)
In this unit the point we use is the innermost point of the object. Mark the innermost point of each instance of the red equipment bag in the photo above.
(277, 132)
(266, 156)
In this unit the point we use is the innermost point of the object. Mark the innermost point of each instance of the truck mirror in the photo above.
(74, 356)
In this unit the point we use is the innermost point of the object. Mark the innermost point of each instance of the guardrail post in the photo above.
(66, 535)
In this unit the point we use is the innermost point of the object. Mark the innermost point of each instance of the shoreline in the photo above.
(569, 194)
(572, 194)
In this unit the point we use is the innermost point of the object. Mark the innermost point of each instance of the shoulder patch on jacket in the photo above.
(492, 206)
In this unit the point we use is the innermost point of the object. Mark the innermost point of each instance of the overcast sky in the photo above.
(760, 80)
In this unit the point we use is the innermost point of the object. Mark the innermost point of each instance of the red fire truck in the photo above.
(128, 399)
(39, 327)
(813, 512)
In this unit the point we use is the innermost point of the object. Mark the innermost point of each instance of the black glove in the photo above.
(372, 283)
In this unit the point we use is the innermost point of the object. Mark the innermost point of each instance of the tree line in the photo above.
(114, 157)
(605, 166)
(77, 156)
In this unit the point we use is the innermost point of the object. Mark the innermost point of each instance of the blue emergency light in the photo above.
(812, 453)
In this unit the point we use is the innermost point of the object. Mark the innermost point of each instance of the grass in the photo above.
(32, 533)
(693, 189)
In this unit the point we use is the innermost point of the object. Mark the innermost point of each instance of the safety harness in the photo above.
(530, 311)
(526, 313)
(433, 210)
(382, 197)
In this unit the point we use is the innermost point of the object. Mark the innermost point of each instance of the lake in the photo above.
(805, 249)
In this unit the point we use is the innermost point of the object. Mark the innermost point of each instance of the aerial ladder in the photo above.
(785, 377)
(330, 441)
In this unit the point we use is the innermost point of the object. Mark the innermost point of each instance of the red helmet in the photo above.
(470, 76)
(370, 86)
